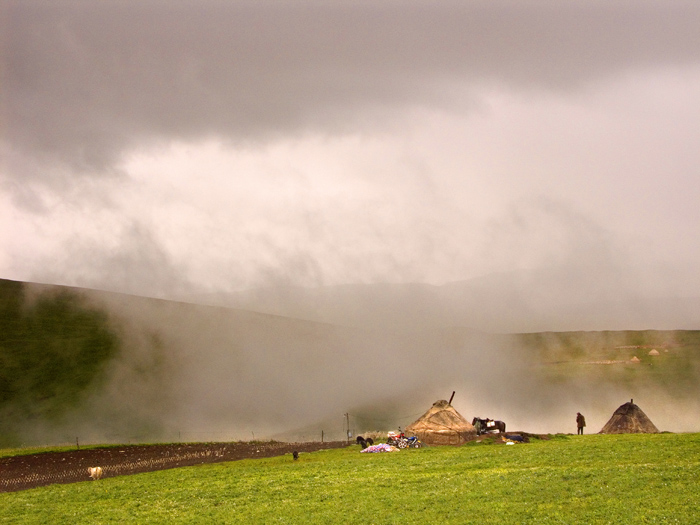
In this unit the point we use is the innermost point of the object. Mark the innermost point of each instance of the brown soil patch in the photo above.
(36, 470)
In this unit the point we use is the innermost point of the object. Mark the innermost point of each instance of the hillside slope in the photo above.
(553, 299)
(104, 366)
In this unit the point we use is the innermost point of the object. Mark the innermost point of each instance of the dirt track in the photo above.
(36, 470)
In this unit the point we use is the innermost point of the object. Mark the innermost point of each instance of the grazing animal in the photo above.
(369, 441)
(95, 472)
(295, 455)
(485, 426)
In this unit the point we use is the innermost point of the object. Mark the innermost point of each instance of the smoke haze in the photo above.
(196, 373)
(388, 179)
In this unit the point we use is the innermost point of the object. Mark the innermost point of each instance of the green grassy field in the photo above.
(578, 357)
(566, 479)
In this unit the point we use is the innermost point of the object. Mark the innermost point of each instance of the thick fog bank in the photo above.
(561, 298)
(196, 373)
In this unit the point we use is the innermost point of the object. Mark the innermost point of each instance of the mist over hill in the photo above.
(184, 371)
(549, 299)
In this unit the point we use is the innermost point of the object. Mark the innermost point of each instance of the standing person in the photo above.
(580, 422)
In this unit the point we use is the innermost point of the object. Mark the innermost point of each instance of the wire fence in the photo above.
(352, 424)
(188, 436)
(23, 472)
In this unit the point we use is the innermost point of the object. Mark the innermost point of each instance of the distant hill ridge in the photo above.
(550, 299)
(502, 303)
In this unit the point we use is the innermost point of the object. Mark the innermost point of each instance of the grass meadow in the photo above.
(565, 479)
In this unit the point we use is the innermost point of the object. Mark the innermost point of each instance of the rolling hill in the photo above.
(101, 366)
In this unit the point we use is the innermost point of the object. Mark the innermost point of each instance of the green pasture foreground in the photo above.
(567, 479)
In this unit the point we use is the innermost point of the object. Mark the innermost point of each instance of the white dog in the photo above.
(95, 472)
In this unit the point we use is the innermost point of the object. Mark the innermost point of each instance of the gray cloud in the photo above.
(85, 81)
(133, 262)
(173, 147)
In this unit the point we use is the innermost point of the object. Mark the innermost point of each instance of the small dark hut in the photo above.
(629, 419)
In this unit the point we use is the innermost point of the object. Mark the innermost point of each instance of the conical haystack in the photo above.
(442, 425)
(629, 419)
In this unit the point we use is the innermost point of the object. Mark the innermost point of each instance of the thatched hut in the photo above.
(629, 419)
(442, 425)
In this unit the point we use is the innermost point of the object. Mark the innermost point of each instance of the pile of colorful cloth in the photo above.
(382, 447)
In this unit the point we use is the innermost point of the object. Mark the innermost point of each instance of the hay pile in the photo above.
(629, 419)
(442, 425)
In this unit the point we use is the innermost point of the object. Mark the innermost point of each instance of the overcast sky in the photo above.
(159, 147)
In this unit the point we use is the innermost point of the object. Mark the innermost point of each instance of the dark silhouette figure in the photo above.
(580, 423)
(295, 455)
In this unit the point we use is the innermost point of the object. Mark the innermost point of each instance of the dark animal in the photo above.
(295, 455)
(362, 442)
(485, 426)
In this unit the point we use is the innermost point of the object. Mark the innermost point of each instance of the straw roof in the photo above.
(629, 419)
(442, 425)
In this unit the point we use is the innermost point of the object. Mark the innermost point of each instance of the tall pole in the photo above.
(347, 420)
(451, 398)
